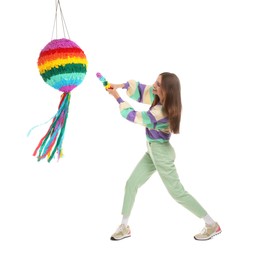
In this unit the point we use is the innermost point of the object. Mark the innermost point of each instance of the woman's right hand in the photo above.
(115, 86)
(113, 92)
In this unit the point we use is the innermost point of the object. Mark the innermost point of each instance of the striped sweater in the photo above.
(155, 120)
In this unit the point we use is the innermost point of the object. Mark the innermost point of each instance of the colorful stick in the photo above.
(104, 81)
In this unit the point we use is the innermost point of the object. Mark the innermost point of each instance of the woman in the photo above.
(161, 121)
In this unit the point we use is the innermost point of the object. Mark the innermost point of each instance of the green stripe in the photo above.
(151, 94)
(136, 94)
(125, 112)
(162, 126)
(146, 119)
(68, 68)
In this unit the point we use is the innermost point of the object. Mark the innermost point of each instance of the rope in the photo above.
(63, 22)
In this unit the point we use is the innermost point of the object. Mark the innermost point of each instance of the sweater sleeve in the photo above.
(139, 92)
(148, 118)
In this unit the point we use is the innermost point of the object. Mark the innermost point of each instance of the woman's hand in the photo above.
(113, 91)
(115, 86)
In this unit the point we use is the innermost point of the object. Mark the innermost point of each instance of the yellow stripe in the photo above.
(58, 62)
(138, 118)
(132, 87)
(146, 95)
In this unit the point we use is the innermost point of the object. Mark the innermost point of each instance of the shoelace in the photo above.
(204, 230)
(120, 228)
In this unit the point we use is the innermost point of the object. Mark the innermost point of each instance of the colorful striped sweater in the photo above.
(155, 120)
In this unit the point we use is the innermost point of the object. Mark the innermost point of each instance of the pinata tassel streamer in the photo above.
(52, 141)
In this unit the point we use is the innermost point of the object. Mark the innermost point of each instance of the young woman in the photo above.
(161, 120)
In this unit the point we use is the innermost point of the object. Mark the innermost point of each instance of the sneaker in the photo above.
(121, 232)
(208, 232)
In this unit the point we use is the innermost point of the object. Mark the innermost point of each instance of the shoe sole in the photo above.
(114, 239)
(217, 233)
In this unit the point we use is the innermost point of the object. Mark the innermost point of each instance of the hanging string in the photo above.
(55, 27)
(63, 22)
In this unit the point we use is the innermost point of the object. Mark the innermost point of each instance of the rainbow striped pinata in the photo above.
(62, 65)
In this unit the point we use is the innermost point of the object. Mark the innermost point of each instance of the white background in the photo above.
(68, 209)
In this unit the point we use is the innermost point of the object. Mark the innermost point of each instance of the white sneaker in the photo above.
(208, 232)
(122, 232)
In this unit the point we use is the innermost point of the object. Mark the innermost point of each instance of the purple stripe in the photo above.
(120, 100)
(152, 118)
(153, 134)
(163, 120)
(131, 116)
(141, 88)
(126, 85)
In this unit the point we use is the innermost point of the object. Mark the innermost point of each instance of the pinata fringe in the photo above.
(52, 141)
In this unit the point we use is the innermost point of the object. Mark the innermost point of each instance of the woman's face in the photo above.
(157, 89)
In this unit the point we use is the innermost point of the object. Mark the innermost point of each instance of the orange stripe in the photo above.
(56, 56)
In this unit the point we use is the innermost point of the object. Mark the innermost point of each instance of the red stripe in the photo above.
(61, 50)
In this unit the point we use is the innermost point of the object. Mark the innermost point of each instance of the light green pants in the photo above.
(160, 157)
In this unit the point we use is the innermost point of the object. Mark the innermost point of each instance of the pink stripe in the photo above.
(67, 89)
(60, 43)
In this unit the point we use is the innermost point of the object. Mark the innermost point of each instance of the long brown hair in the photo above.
(172, 104)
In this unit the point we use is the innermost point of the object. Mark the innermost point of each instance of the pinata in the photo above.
(62, 64)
